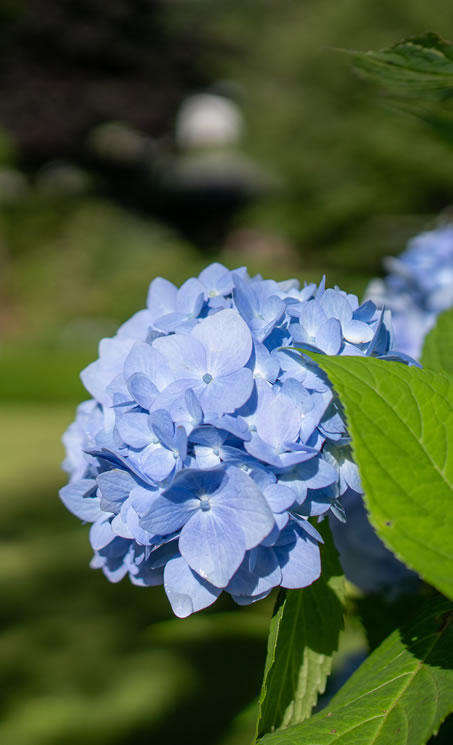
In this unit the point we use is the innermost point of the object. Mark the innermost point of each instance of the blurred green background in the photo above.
(99, 193)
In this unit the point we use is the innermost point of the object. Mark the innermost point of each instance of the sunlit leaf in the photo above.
(399, 695)
(418, 66)
(401, 423)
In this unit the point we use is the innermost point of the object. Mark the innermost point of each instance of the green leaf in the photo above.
(420, 66)
(438, 346)
(398, 696)
(303, 637)
(401, 422)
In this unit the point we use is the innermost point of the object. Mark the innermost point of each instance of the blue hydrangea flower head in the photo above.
(418, 287)
(209, 444)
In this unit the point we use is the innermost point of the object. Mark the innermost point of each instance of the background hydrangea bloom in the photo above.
(209, 444)
(418, 287)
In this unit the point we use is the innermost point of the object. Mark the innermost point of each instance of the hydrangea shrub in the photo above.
(210, 441)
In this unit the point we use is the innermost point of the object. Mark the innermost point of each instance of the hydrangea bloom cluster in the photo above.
(418, 287)
(209, 442)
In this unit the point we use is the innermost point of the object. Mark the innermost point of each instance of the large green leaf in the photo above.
(303, 637)
(438, 346)
(401, 422)
(398, 696)
(421, 66)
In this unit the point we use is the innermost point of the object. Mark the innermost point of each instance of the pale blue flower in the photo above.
(220, 513)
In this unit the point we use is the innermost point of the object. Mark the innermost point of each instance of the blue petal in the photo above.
(311, 317)
(266, 365)
(195, 482)
(244, 299)
(97, 376)
(317, 502)
(101, 533)
(358, 332)
(216, 278)
(142, 390)
(328, 337)
(300, 561)
(209, 436)
(142, 498)
(134, 429)
(145, 359)
(205, 457)
(248, 599)
(80, 498)
(316, 473)
(161, 297)
(299, 454)
(213, 546)
(235, 425)
(225, 394)
(193, 405)
(227, 340)
(136, 327)
(186, 591)
(163, 553)
(279, 497)
(159, 464)
(350, 473)
(120, 528)
(115, 486)
(278, 421)
(335, 305)
(141, 536)
(190, 297)
(241, 499)
(305, 525)
(161, 423)
(257, 579)
(146, 577)
(171, 322)
(321, 288)
(169, 513)
(185, 355)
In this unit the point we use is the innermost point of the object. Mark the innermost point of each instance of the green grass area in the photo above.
(30, 374)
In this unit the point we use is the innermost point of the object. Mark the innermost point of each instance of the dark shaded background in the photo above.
(97, 198)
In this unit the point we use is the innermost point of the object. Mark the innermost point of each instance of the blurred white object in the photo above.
(206, 120)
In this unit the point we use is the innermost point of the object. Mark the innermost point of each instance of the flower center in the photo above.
(207, 378)
(204, 503)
